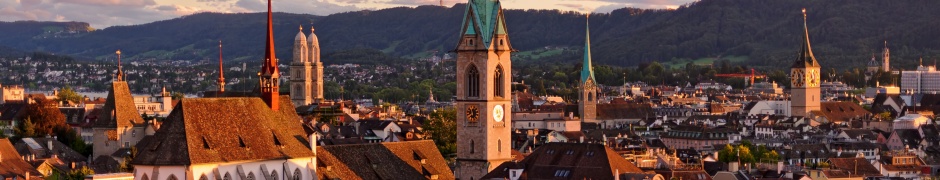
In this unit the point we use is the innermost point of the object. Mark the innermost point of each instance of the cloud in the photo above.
(131, 3)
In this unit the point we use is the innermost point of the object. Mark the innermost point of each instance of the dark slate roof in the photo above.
(62, 151)
(217, 130)
(910, 137)
(857, 133)
(119, 110)
(105, 164)
(581, 161)
(9, 111)
(13, 165)
(395, 160)
(617, 111)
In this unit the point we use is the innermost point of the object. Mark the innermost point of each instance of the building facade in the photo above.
(924, 80)
(483, 94)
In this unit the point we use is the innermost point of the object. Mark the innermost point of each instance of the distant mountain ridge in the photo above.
(844, 33)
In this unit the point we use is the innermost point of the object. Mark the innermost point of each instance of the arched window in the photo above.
(297, 174)
(251, 176)
(227, 176)
(499, 145)
(203, 177)
(473, 81)
(471, 147)
(274, 175)
(172, 177)
(498, 82)
(145, 177)
(590, 96)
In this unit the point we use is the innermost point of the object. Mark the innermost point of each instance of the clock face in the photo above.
(473, 114)
(498, 113)
(813, 78)
(796, 78)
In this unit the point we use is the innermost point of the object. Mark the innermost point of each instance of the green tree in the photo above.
(442, 127)
(177, 95)
(78, 174)
(26, 128)
(745, 154)
(728, 154)
(68, 94)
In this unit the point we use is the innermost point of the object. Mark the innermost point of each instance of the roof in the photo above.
(576, 160)
(587, 70)
(910, 137)
(395, 160)
(841, 111)
(13, 165)
(214, 130)
(844, 167)
(9, 111)
(119, 110)
(617, 111)
(42, 151)
(485, 19)
(805, 58)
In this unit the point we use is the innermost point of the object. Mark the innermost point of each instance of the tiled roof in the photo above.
(119, 110)
(842, 111)
(215, 130)
(9, 111)
(13, 165)
(62, 151)
(574, 160)
(396, 160)
(843, 167)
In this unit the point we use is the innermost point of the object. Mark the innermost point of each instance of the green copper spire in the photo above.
(483, 17)
(587, 71)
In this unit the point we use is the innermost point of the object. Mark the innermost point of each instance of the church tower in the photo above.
(316, 75)
(587, 105)
(804, 78)
(886, 56)
(483, 98)
(300, 71)
(269, 76)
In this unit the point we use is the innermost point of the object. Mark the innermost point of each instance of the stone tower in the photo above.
(300, 71)
(269, 77)
(483, 98)
(886, 56)
(316, 77)
(804, 78)
(587, 106)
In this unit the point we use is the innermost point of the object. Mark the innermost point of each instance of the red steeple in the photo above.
(269, 74)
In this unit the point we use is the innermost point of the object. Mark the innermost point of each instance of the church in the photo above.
(306, 70)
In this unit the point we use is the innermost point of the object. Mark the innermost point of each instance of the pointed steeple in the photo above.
(587, 69)
(270, 75)
(119, 76)
(805, 58)
(221, 71)
(484, 18)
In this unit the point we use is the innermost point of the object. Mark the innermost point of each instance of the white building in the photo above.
(910, 121)
(924, 80)
(154, 105)
(545, 120)
(769, 108)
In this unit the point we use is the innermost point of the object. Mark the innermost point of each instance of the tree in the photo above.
(177, 95)
(126, 164)
(727, 154)
(26, 128)
(68, 94)
(442, 127)
(45, 116)
(77, 174)
(745, 154)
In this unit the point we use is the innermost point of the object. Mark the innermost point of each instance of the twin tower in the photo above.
(306, 70)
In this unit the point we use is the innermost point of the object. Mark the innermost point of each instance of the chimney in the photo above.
(312, 139)
(49, 144)
(617, 174)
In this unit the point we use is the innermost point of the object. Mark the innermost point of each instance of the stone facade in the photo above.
(306, 70)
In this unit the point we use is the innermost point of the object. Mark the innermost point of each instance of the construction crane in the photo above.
(747, 77)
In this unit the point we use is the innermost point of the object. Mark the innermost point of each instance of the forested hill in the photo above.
(844, 33)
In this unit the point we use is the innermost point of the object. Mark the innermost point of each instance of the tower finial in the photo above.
(221, 72)
(119, 76)
(301, 28)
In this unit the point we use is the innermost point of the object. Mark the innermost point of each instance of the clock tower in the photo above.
(587, 106)
(483, 95)
(804, 79)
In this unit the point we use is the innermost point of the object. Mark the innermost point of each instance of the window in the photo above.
(274, 175)
(498, 82)
(470, 41)
(473, 81)
(227, 176)
(499, 145)
(471, 147)
(251, 176)
(145, 177)
(500, 42)
(297, 174)
(172, 177)
(203, 177)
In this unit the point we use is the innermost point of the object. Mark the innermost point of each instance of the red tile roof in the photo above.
(574, 160)
(11, 164)
(214, 130)
(119, 110)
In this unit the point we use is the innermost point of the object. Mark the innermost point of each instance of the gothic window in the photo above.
(251, 176)
(470, 41)
(274, 175)
(227, 176)
(498, 82)
(473, 81)
(500, 42)
(172, 177)
(203, 177)
(297, 174)
(145, 177)
(590, 97)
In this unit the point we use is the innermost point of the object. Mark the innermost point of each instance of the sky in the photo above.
(106, 13)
